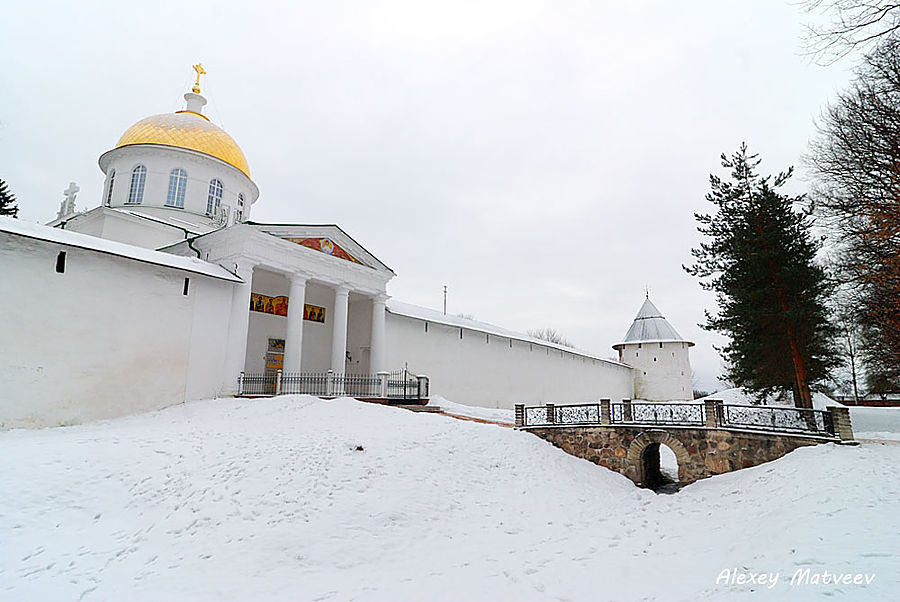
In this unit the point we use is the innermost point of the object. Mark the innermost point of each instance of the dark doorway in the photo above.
(659, 468)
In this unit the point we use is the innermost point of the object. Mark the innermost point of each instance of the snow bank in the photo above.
(740, 397)
(299, 499)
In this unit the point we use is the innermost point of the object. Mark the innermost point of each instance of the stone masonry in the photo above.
(701, 452)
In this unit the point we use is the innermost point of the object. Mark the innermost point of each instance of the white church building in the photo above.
(168, 291)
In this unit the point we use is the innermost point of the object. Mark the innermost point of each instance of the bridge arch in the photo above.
(645, 447)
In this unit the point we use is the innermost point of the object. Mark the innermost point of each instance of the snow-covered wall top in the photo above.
(85, 241)
(423, 313)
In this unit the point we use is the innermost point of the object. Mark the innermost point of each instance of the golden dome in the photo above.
(187, 129)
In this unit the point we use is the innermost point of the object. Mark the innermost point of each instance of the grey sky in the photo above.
(543, 160)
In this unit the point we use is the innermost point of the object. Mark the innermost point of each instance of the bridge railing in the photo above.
(768, 418)
(639, 412)
(710, 414)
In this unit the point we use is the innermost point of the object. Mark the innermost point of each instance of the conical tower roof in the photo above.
(650, 326)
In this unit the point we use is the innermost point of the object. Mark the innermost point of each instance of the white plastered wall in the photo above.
(108, 337)
(497, 372)
(662, 371)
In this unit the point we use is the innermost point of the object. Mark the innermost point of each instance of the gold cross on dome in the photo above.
(200, 71)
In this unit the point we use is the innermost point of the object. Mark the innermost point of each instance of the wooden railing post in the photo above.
(551, 413)
(520, 414)
(605, 411)
(627, 415)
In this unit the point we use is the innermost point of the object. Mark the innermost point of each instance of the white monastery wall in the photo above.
(110, 336)
(480, 369)
(662, 371)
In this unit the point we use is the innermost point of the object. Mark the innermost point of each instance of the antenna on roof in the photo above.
(646, 291)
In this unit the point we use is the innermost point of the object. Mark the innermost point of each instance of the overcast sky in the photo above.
(543, 160)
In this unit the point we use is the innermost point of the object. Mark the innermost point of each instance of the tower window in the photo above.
(660, 345)
(177, 186)
(136, 192)
(187, 284)
(109, 187)
(240, 208)
(61, 262)
(215, 196)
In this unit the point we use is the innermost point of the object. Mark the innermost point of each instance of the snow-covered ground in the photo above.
(299, 499)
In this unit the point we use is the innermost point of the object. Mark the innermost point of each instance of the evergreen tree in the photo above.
(7, 201)
(760, 262)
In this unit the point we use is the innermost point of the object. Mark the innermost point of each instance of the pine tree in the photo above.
(760, 262)
(7, 201)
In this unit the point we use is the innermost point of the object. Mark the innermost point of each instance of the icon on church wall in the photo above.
(314, 313)
(324, 245)
(276, 345)
(278, 306)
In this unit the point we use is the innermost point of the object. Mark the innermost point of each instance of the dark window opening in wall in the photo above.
(426, 326)
(510, 343)
(654, 359)
(660, 345)
(673, 354)
(639, 345)
(530, 347)
(645, 373)
(61, 262)
(636, 354)
(487, 338)
(187, 284)
(460, 333)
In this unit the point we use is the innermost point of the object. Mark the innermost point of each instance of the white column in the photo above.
(238, 325)
(376, 343)
(339, 332)
(293, 339)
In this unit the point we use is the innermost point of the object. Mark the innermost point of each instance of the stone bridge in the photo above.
(707, 438)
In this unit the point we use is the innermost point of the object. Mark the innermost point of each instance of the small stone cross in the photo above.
(67, 207)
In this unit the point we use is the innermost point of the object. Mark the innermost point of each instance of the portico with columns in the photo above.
(334, 291)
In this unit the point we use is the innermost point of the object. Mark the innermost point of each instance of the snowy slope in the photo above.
(271, 500)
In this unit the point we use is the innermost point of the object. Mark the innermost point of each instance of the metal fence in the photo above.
(385, 385)
(403, 385)
(311, 383)
(658, 413)
(712, 414)
(767, 418)
(258, 384)
(357, 385)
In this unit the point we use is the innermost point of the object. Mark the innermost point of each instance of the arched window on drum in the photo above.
(239, 215)
(177, 186)
(214, 199)
(136, 191)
